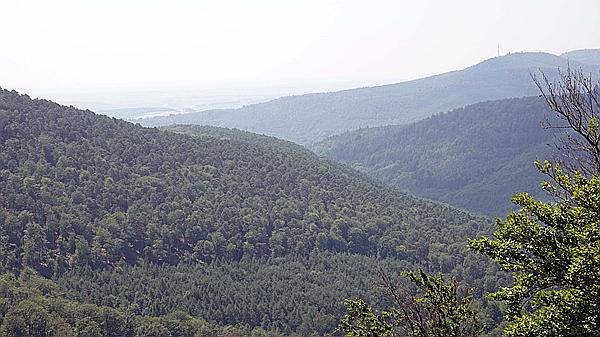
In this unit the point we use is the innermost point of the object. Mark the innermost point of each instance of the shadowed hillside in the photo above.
(475, 157)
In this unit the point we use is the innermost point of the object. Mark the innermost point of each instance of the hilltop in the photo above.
(307, 119)
(587, 56)
(100, 205)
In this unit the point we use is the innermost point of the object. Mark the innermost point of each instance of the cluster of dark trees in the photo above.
(97, 203)
(78, 188)
(474, 157)
(33, 306)
(298, 295)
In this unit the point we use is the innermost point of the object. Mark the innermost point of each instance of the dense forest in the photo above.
(34, 306)
(301, 295)
(476, 157)
(105, 191)
(95, 202)
(307, 119)
(550, 247)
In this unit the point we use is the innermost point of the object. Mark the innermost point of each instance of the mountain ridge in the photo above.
(306, 119)
(475, 157)
(589, 56)
(85, 194)
(99, 167)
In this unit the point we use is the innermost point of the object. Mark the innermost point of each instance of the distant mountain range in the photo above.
(307, 119)
(588, 56)
(474, 157)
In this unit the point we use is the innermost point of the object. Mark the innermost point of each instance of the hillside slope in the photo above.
(587, 56)
(474, 157)
(83, 194)
(309, 118)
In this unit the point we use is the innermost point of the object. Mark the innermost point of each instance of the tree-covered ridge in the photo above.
(78, 188)
(307, 119)
(98, 203)
(474, 157)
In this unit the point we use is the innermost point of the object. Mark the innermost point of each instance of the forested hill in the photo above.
(100, 204)
(474, 157)
(81, 187)
(307, 119)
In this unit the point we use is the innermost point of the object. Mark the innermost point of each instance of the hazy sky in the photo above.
(90, 44)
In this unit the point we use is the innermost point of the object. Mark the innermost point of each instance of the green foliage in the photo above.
(438, 310)
(82, 193)
(153, 329)
(475, 157)
(553, 249)
(361, 321)
(292, 294)
(87, 327)
(85, 189)
(447, 311)
(27, 311)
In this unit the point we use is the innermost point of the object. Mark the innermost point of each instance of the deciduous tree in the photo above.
(438, 307)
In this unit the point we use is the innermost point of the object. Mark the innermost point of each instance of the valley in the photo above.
(300, 169)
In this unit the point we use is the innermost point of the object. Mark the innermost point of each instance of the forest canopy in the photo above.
(474, 157)
(83, 194)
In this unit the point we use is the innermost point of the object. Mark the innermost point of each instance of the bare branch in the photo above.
(575, 98)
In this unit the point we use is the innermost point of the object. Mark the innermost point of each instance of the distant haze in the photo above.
(53, 48)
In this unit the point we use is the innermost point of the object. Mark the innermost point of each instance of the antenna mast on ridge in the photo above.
(498, 49)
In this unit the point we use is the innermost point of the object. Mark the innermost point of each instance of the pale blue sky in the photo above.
(87, 44)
